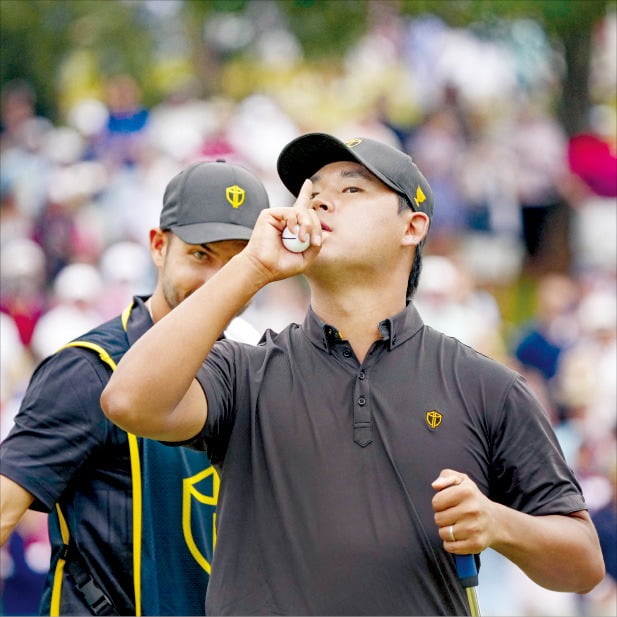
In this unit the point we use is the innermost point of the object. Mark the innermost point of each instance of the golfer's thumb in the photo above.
(446, 478)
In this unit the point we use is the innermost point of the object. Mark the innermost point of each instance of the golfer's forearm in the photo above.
(561, 553)
(155, 374)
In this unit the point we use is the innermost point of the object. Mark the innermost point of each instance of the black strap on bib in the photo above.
(87, 587)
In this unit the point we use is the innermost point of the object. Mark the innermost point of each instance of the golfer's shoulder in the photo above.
(285, 338)
(464, 359)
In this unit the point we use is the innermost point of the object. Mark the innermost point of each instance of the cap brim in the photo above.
(307, 154)
(303, 157)
(203, 233)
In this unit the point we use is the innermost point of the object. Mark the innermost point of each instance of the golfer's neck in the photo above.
(356, 313)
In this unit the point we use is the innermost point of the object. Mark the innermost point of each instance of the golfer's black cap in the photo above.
(213, 201)
(305, 155)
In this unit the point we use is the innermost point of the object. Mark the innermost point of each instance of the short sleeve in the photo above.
(529, 472)
(59, 427)
(217, 377)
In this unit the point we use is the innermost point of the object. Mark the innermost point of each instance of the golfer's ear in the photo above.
(416, 229)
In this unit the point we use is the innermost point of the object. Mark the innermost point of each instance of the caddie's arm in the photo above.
(14, 501)
(153, 391)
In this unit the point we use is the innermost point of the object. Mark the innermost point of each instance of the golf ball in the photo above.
(292, 243)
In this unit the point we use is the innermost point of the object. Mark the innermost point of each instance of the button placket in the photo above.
(362, 424)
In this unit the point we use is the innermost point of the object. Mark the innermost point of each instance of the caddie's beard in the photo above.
(171, 296)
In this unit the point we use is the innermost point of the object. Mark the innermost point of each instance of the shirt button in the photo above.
(361, 375)
(361, 401)
(347, 353)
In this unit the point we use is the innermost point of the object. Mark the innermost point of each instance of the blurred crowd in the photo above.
(521, 261)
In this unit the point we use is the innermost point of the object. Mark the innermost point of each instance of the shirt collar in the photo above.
(394, 330)
(139, 320)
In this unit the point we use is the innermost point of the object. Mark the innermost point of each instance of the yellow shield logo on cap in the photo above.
(420, 197)
(235, 195)
(433, 418)
(353, 142)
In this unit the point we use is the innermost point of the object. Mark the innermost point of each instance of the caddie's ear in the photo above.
(159, 241)
(417, 228)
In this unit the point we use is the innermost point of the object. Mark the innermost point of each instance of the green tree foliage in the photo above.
(325, 28)
(569, 23)
(37, 35)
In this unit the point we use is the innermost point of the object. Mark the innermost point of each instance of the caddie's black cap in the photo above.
(305, 155)
(213, 201)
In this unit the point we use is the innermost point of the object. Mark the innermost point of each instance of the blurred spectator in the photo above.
(586, 371)
(15, 361)
(54, 232)
(487, 180)
(258, 130)
(593, 191)
(122, 140)
(605, 520)
(370, 124)
(553, 328)
(539, 143)
(597, 469)
(77, 291)
(184, 126)
(23, 162)
(23, 284)
(437, 146)
(538, 344)
(89, 117)
(279, 304)
(448, 300)
(17, 102)
(70, 185)
(24, 562)
(592, 156)
(126, 268)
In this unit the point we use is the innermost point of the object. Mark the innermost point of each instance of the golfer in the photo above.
(361, 450)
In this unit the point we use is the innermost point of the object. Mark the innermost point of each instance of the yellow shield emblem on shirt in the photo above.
(199, 491)
(433, 418)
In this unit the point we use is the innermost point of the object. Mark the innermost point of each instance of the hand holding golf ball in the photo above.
(292, 243)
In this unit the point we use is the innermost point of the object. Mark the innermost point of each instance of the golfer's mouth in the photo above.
(324, 227)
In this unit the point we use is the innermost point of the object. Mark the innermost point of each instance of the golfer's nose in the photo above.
(321, 202)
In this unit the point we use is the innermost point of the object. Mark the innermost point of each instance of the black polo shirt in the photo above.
(327, 464)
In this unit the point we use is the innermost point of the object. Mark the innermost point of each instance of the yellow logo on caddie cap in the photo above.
(235, 195)
(420, 197)
(433, 418)
(353, 142)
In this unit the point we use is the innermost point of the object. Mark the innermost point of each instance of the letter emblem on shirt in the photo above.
(433, 419)
(235, 195)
